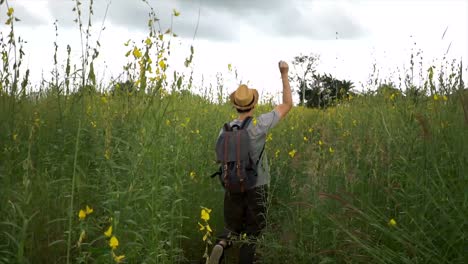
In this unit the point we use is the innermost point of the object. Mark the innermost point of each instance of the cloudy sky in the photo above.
(253, 35)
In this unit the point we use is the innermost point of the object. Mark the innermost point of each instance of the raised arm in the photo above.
(287, 104)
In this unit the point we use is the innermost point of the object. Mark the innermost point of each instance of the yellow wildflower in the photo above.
(93, 124)
(311, 130)
(192, 175)
(205, 236)
(136, 53)
(269, 137)
(392, 222)
(148, 42)
(320, 142)
(104, 100)
(89, 210)
(108, 232)
(162, 64)
(277, 153)
(254, 121)
(292, 153)
(119, 259)
(15, 136)
(82, 214)
(113, 242)
(205, 213)
(175, 12)
(208, 228)
(445, 98)
(168, 122)
(354, 122)
(436, 97)
(305, 139)
(10, 11)
(331, 150)
(392, 97)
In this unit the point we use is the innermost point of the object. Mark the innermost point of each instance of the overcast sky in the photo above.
(349, 35)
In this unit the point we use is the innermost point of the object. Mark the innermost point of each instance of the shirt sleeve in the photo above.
(267, 121)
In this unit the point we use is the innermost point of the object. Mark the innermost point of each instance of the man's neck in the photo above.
(244, 115)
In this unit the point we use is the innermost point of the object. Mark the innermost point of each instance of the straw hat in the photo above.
(244, 98)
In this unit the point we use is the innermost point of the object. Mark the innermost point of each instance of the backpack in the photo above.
(238, 171)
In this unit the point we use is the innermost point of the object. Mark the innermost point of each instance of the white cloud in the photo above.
(256, 43)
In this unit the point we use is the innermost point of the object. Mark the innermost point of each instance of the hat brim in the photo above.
(245, 107)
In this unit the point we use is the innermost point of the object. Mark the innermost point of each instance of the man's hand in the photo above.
(283, 67)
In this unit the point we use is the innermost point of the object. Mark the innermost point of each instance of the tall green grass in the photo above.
(375, 179)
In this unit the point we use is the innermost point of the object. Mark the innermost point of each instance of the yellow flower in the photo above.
(392, 222)
(136, 53)
(175, 12)
(320, 142)
(392, 97)
(119, 259)
(310, 130)
(208, 228)
(305, 139)
(354, 122)
(269, 137)
(254, 121)
(113, 242)
(445, 98)
(93, 124)
(192, 175)
(162, 64)
(292, 153)
(205, 213)
(277, 153)
(89, 210)
(436, 97)
(205, 236)
(331, 150)
(10, 11)
(108, 233)
(168, 122)
(104, 100)
(15, 136)
(82, 214)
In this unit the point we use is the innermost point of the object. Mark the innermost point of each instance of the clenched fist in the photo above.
(283, 67)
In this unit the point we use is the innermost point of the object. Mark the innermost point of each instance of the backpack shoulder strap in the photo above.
(227, 127)
(246, 122)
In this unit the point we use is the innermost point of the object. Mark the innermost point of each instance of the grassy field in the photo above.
(94, 176)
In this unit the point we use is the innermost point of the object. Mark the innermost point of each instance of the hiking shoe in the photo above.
(216, 254)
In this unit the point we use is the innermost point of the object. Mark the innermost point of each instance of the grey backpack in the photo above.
(238, 171)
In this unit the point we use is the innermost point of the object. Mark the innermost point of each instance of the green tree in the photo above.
(302, 74)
